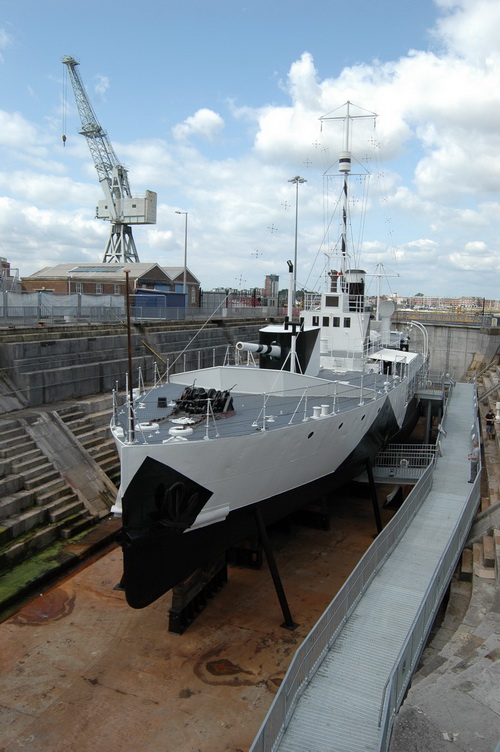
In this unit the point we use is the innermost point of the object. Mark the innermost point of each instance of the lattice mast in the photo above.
(119, 206)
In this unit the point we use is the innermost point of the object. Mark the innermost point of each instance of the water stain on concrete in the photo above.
(51, 606)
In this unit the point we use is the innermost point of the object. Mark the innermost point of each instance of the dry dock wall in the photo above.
(456, 349)
(55, 364)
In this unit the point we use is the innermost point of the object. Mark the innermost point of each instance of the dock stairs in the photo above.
(481, 555)
(58, 470)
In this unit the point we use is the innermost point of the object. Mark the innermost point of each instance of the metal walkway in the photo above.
(349, 677)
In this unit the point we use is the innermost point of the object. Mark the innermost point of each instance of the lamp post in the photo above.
(184, 285)
(297, 180)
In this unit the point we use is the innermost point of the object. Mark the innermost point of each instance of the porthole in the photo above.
(311, 434)
(362, 417)
(340, 426)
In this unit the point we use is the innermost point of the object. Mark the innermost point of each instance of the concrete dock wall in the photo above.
(456, 349)
(52, 365)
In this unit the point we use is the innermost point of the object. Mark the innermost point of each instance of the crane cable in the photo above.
(65, 99)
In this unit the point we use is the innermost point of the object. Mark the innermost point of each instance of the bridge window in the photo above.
(326, 321)
(332, 301)
(315, 320)
(336, 321)
(347, 323)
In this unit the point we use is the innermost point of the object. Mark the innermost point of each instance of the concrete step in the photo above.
(28, 461)
(11, 430)
(96, 420)
(69, 414)
(91, 440)
(101, 417)
(74, 507)
(112, 468)
(51, 491)
(81, 428)
(488, 550)
(93, 433)
(466, 565)
(30, 544)
(28, 519)
(16, 502)
(60, 502)
(5, 468)
(9, 423)
(37, 477)
(481, 568)
(104, 451)
(16, 447)
(10, 484)
(79, 525)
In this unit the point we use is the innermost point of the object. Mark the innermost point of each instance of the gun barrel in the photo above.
(273, 350)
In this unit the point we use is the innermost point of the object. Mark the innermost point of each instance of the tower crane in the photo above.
(119, 206)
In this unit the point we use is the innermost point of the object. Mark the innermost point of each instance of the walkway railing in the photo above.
(411, 651)
(323, 635)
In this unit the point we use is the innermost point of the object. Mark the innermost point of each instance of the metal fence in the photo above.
(448, 317)
(407, 461)
(414, 644)
(323, 635)
(26, 309)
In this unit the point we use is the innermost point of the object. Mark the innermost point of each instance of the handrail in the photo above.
(322, 636)
(414, 644)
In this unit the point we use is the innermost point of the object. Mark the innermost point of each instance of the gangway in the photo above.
(348, 678)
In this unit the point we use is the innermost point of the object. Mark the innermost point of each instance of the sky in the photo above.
(217, 105)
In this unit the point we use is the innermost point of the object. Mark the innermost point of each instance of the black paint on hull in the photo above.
(158, 555)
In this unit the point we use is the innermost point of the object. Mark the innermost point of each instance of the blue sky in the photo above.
(216, 105)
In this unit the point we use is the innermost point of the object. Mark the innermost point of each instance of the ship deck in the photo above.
(155, 411)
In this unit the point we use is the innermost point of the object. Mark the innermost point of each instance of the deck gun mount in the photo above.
(293, 348)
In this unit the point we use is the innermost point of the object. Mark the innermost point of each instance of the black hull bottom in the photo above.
(156, 558)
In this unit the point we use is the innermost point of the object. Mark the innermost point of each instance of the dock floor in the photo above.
(83, 672)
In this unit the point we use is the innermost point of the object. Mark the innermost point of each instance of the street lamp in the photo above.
(297, 180)
(184, 286)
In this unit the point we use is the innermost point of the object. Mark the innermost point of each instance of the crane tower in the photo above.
(119, 206)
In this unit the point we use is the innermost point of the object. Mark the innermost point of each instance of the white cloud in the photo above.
(204, 123)
(5, 41)
(101, 85)
(16, 131)
(469, 29)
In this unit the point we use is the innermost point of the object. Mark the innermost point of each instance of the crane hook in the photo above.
(64, 140)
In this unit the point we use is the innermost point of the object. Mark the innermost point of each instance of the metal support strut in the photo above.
(288, 623)
(373, 495)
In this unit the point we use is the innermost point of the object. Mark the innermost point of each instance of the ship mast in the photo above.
(345, 169)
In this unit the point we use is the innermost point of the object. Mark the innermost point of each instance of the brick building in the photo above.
(109, 279)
